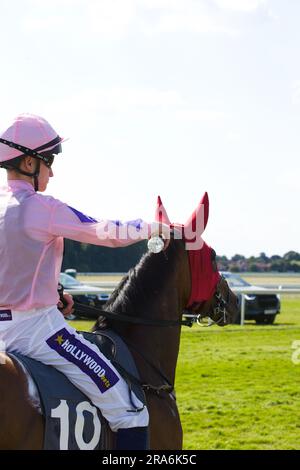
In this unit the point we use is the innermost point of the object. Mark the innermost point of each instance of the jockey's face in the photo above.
(45, 169)
(45, 174)
(29, 164)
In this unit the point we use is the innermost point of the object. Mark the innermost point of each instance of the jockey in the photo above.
(32, 229)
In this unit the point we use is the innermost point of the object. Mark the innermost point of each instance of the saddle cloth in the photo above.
(72, 422)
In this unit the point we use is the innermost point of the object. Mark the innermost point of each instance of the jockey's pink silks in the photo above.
(33, 228)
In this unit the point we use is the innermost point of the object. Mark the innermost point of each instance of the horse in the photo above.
(153, 298)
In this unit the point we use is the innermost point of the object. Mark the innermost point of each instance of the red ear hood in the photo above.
(161, 213)
(204, 277)
(196, 223)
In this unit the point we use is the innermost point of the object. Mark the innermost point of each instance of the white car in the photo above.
(262, 308)
(93, 296)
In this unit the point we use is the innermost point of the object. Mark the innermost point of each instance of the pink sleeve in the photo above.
(70, 223)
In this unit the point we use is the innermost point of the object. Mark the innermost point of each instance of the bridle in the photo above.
(190, 315)
(219, 310)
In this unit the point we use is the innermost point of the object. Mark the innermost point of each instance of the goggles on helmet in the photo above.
(47, 157)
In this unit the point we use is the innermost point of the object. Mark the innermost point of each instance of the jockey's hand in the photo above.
(66, 307)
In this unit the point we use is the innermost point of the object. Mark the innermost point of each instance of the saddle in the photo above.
(72, 422)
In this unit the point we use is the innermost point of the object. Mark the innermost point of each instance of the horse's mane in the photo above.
(145, 283)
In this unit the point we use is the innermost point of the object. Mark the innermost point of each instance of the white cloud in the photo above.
(32, 23)
(240, 5)
(199, 115)
(184, 16)
(113, 17)
(193, 23)
(122, 100)
(163, 4)
(117, 18)
(233, 136)
(296, 92)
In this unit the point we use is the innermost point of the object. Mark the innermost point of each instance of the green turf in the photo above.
(237, 387)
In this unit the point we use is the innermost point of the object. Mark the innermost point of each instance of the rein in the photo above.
(156, 389)
(166, 387)
(80, 308)
(191, 317)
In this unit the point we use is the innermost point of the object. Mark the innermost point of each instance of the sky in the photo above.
(170, 98)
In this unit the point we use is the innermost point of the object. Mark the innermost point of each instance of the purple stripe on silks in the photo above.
(72, 349)
(5, 315)
(82, 217)
(135, 223)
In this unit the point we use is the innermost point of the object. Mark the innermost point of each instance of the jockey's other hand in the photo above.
(66, 309)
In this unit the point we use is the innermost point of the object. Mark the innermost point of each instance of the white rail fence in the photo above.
(106, 287)
(245, 291)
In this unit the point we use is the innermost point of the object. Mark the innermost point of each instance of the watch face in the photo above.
(155, 244)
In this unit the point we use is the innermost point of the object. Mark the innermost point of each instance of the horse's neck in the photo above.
(160, 344)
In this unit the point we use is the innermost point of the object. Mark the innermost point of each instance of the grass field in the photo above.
(279, 280)
(253, 279)
(237, 387)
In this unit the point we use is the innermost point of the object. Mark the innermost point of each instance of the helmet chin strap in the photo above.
(36, 176)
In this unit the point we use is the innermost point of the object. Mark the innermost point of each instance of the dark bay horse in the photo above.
(156, 292)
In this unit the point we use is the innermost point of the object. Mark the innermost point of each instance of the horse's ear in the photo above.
(161, 213)
(198, 219)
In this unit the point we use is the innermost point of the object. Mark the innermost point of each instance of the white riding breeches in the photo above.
(43, 334)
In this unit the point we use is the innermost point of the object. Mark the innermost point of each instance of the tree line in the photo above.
(289, 262)
(91, 258)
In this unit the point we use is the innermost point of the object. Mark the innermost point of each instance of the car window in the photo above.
(235, 280)
(68, 281)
